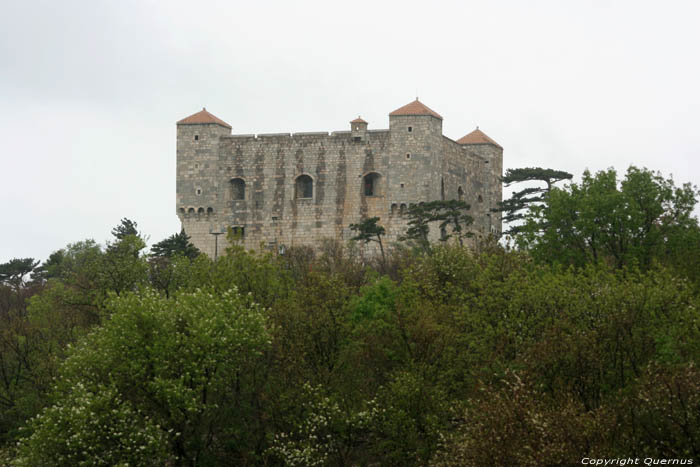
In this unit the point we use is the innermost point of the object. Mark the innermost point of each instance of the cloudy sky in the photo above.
(90, 91)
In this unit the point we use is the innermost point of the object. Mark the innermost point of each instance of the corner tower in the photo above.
(416, 139)
(198, 203)
(479, 143)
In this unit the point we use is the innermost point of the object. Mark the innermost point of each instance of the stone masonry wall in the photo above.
(412, 166)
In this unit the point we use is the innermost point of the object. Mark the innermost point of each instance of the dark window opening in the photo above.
(371, 184)
(210, 211)
(237, 189)
(402, 185)
(408, 156)
(274, 218)
(238, 231)
(393, 209)
(190, 211)
(410, 129)
(304, 187)
(442, 189)
(182, 211)
(402, 209)
(199, 191)
(196, 137)
(460, 194)
(481, 200)
(200, 211)
(357, 138)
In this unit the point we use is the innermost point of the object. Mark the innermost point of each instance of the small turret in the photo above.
(358, 128)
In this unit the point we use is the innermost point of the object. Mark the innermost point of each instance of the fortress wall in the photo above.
(270, 165)
(271, 213)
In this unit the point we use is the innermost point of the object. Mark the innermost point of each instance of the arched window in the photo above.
(460, 194)
(200, 211)
(190, 211)
(304, 187)
(210, 211)
(393, 209)
(182, 211)
(481, 199)
(237, 189)
(370, 184)
(402, 209)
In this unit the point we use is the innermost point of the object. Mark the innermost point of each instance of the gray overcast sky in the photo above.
(90, 91)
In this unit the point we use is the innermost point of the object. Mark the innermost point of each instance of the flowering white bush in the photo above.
(151, 383)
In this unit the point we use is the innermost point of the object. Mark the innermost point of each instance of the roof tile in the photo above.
(415, 108)
(203, 117)
(477, 137)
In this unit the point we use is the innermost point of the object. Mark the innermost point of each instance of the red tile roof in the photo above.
(477, 137)
(203, 117)
(358, 120)
(415, 108)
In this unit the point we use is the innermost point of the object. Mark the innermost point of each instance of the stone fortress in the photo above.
(283, 190)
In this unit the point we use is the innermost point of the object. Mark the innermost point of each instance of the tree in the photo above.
(12, 273)
(632, 221)
(451, 213)
(161, 382)
(125, 228)
(176, 244)
(522, 202)
(49, 268)
(369, 231)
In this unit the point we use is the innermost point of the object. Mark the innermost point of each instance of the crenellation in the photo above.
(257, 182)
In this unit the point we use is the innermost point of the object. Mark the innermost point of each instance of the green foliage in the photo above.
(176, 244)
(441, 356)
(522, 204)
(126, 228)
(369, 231)
(167, 365)
(622, 223)
(13, 272)
(450, 214)
(93, 427)
(326, 434)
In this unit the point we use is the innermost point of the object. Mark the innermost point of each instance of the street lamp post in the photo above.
(216, 241)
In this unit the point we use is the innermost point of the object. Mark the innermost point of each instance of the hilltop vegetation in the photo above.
(580, 342)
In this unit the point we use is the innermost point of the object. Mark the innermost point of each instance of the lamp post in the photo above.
(216, 240)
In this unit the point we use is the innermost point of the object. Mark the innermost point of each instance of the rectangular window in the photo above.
(238, 232)
(410, 129)
(196, 137)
